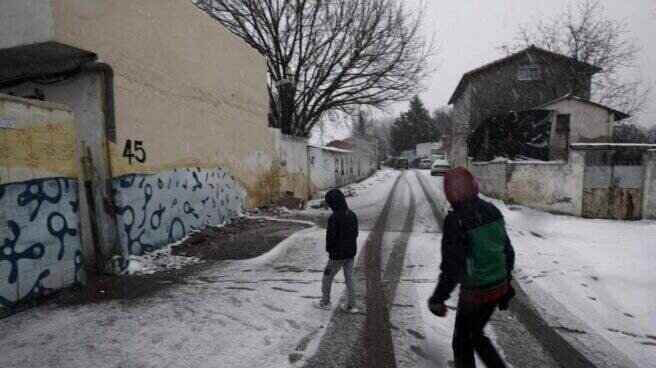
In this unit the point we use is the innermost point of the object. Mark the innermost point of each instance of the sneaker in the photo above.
(319, 304)
(349, 308)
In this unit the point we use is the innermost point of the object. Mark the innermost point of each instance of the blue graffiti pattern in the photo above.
(153, 210)
(40, 249)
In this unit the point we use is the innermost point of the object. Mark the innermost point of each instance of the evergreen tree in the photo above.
(360, 127)
(413, 126)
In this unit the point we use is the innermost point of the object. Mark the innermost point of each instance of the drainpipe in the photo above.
(108, 96)
(109, 240)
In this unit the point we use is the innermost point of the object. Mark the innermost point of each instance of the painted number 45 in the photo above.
(137, 152)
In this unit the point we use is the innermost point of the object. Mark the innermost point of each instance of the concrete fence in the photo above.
(551, 186)
(304, 168)
(564, 187)
(649, 185)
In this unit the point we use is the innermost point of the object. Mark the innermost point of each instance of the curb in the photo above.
(570, 341)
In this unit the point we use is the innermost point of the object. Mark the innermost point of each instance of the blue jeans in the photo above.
(329, 273)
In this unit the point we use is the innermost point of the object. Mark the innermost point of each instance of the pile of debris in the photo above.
(270, 211)
(158, 260)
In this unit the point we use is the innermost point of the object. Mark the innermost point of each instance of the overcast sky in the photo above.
(469, 31)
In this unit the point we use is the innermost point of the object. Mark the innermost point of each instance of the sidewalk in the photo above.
(212, 314)
(216, 313)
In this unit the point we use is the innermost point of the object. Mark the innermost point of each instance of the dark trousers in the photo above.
(468, 336)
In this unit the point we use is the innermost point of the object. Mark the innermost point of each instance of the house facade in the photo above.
(521, 81)
(429, 149)
(579, 120)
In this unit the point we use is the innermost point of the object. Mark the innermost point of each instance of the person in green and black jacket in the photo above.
(477, 254)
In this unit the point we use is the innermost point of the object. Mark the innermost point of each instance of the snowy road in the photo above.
(259, 312)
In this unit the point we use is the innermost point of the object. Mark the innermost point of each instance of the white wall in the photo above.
(293, 161)
(554, 187)
(588, 123)
(331, 168)
(550, 186)
(461, 121)
(649, 187)
(323, 166)
(491, 178)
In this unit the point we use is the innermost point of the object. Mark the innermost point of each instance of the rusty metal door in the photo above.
(613, 190)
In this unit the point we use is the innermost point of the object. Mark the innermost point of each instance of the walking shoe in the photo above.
(319, 304)
(349, 308)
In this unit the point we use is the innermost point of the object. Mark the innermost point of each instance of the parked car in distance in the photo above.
(401, 164)
(440, 167)
(425, 163)
(415, 163)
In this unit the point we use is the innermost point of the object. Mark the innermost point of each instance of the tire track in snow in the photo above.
(342, 344)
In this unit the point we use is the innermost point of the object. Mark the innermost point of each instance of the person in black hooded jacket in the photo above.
(341, 245)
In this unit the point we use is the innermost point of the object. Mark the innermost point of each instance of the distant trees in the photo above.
(443, 118)
(586, 34)
(412, 127)
(324, 56)
(632, 133)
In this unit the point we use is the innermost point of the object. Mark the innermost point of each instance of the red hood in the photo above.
(459, 185)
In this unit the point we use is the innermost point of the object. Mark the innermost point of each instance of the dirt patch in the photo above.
(242, 239)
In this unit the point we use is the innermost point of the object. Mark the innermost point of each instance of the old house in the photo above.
(578, 120)
(544, 132)
(521, 81)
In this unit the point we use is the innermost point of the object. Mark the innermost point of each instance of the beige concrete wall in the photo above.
(24, 22)
(193, 93)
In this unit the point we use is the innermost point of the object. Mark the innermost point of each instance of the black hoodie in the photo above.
(342, 229)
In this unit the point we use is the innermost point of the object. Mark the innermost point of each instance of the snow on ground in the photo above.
(161, 259)
(601, 270)
(356, 189)
(232, 314)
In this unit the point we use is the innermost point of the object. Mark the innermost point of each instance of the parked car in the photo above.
(415, 163)
(440, 167)
(391, 162)
(402, 164)
(425, 163)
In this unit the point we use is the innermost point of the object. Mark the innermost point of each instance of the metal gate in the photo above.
(612, 186)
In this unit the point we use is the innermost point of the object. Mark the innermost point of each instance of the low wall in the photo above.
(292, 164)
(649, 186)
(550, 186)
(491, 178)
(39, 201)
(332, 167)
(324, 165)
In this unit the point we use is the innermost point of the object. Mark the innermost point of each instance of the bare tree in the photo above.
(586, 34)
(329, 55)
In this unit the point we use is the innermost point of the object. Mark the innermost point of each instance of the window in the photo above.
(529, 72)
(562, 123)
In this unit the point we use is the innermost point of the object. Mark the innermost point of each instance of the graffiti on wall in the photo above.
(157, 209)
(40, 250)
